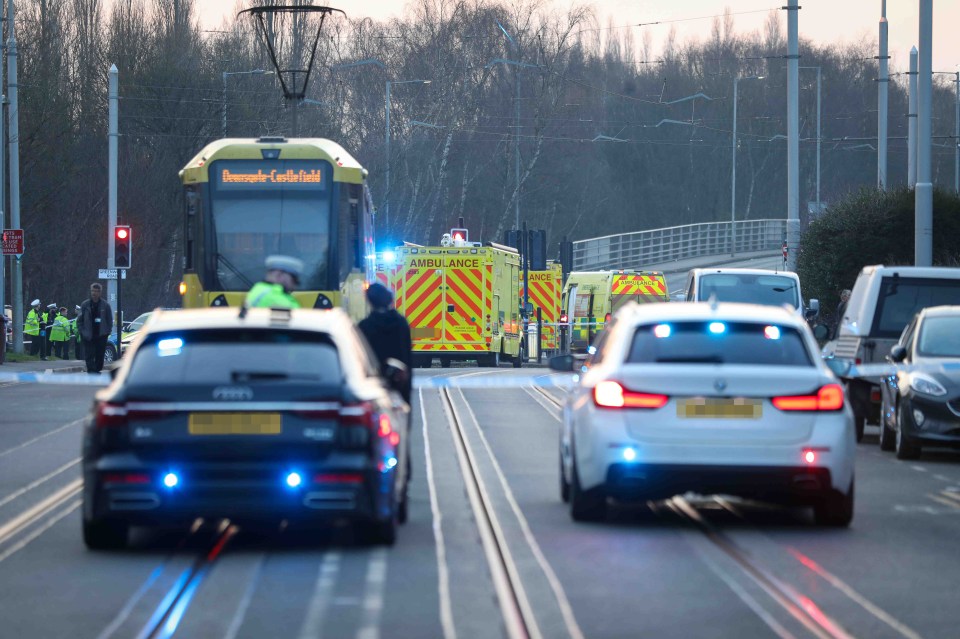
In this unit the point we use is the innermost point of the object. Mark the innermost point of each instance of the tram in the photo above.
(246, 199)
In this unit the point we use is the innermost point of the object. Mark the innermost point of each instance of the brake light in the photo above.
(828, 398)
(606, 318)
(338, 478)
(110, 415)
(612, 395)
(126, 478)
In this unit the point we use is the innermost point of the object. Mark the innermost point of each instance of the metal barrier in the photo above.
(640, 249)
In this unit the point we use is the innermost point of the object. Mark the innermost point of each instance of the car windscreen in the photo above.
(902, 297)
(939, 337)
(718, 342)
(226, 356)
(769, 290)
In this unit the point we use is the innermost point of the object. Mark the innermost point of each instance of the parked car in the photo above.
(257, 417)
(749, 286)
(710, 398)
(883, 301)
(920, 403)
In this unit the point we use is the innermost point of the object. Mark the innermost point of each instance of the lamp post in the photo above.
(818, 135)
(229, 73)
(386, 119)
(733, 174)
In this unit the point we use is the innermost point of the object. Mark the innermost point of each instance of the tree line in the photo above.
(614, 134)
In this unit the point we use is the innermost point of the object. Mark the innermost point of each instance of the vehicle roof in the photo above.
(912, 271)
(301, 319)
(693, 311)
(744, 271)
(941, 311)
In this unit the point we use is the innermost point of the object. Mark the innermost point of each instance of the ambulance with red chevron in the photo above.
(461, 301)
(590, 298)
(545, 289)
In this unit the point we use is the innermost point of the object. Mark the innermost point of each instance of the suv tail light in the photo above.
(828, 398)
(359, 422)
(612, 395)
(606, 318)
(110, 415)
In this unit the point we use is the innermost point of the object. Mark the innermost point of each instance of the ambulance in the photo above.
(462, 303)
(545, 289)
(590, 298)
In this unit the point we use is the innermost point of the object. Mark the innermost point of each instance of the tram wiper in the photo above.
(233, 269)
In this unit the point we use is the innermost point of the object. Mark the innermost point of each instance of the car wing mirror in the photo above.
(820, 332)
(898, 353)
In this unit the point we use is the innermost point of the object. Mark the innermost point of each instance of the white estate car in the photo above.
(727, 399)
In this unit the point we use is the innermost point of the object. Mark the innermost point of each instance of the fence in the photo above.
(657, 246)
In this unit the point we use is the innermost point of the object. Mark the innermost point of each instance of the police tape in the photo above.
(467, 381)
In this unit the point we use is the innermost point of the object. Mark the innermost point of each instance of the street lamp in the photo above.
(818, 135)
(386, 119)
(733, 176)
(229, 73)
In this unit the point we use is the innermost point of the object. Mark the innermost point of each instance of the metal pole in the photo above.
(516, 145)
(3, 224)
(14, 132)
(386, 190)
(733, 175)
(112, 161)
(296, 117)
(818, 142)
(956, 141)
(883, 83)
(923, 197)
(912, 123)
(793, 135)
(224, 113)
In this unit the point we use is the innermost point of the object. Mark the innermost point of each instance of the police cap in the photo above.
(52, 305)
(287, 264)
(35, 302)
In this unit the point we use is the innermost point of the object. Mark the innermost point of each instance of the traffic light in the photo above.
(122, 243)
(538, 250)
(460, 234)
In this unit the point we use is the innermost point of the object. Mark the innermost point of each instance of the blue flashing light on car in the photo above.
(169, 346)
(662, 330)
(293, 480)
(389, 257)
(629, 454)
(717, 328)
(171, 480)
(771, 332)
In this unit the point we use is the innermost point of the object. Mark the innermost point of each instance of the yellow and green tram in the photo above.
(246, 199)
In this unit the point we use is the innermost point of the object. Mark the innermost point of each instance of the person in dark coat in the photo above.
(388, 333)
(95, 325)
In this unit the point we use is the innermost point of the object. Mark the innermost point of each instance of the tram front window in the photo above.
(249, 227)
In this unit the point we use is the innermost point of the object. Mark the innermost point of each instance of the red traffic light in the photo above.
(122, 233)
(460, 234)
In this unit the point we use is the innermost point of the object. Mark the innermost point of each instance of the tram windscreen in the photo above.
(262, 208)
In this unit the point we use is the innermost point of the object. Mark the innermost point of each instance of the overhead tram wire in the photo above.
(673, 20)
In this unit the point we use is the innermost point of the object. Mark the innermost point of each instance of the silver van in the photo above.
(883, 301)
(749, 286)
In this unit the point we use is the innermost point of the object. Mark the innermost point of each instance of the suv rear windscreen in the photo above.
(227, 356)
(902, 297)
(769, 290)
(718, 343)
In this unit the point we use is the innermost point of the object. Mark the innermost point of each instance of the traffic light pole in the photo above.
(113, 290)
(120, 274)
(14, 137)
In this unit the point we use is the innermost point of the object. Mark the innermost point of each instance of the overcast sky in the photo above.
(820, 20)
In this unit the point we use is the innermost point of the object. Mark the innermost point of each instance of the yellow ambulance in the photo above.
(545, 289)
(462, 303)
(590, 298)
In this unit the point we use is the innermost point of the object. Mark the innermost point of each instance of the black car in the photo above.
(270, 416)
(920, 403)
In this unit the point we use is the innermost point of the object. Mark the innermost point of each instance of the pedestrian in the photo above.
(283, 276)
(59, 331)
(388, 334)
(31, 326)
(75, 332)
(48, 319)
(841, 309)
(95, 324)
(3, 332)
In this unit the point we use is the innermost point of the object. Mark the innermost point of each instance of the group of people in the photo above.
(386, 330)
(51, 332)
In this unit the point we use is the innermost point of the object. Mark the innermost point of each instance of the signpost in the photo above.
(110, 274)
(13, 242)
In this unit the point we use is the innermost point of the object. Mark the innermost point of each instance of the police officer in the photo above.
(59, 333)
(75, 334)
(283, 275)
(388, 333)
(48, 319)
(31, 327)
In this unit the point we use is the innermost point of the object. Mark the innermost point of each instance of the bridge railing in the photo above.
(657, 246)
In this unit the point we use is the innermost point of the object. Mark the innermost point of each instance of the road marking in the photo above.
(38, 438)
(944, 501)
(566, 610)
(846, 589)
(551, 410)
(6, 500)
(39, 510)
(919, 469)
(946, 479)
(326, 580)
(951, 494)
(48, 525)
(241, 613)
(124, 613)
(373, 595)
(443, 571)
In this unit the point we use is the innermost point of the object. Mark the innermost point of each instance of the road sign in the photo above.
(110, 274)
(13, 242)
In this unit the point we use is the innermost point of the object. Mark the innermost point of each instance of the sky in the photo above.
(823, 21)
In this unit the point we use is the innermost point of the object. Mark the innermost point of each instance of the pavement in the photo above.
(49, 366)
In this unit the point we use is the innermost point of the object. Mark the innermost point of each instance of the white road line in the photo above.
(443, 571)
(26, 540)
(919, 469)
(843, 587)
(551, 410)
(241, 613)
(566, 610)
(326, 580)
(128, 607)
(373, 595)
(6, 500)
(39, 510)
(38, 438)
